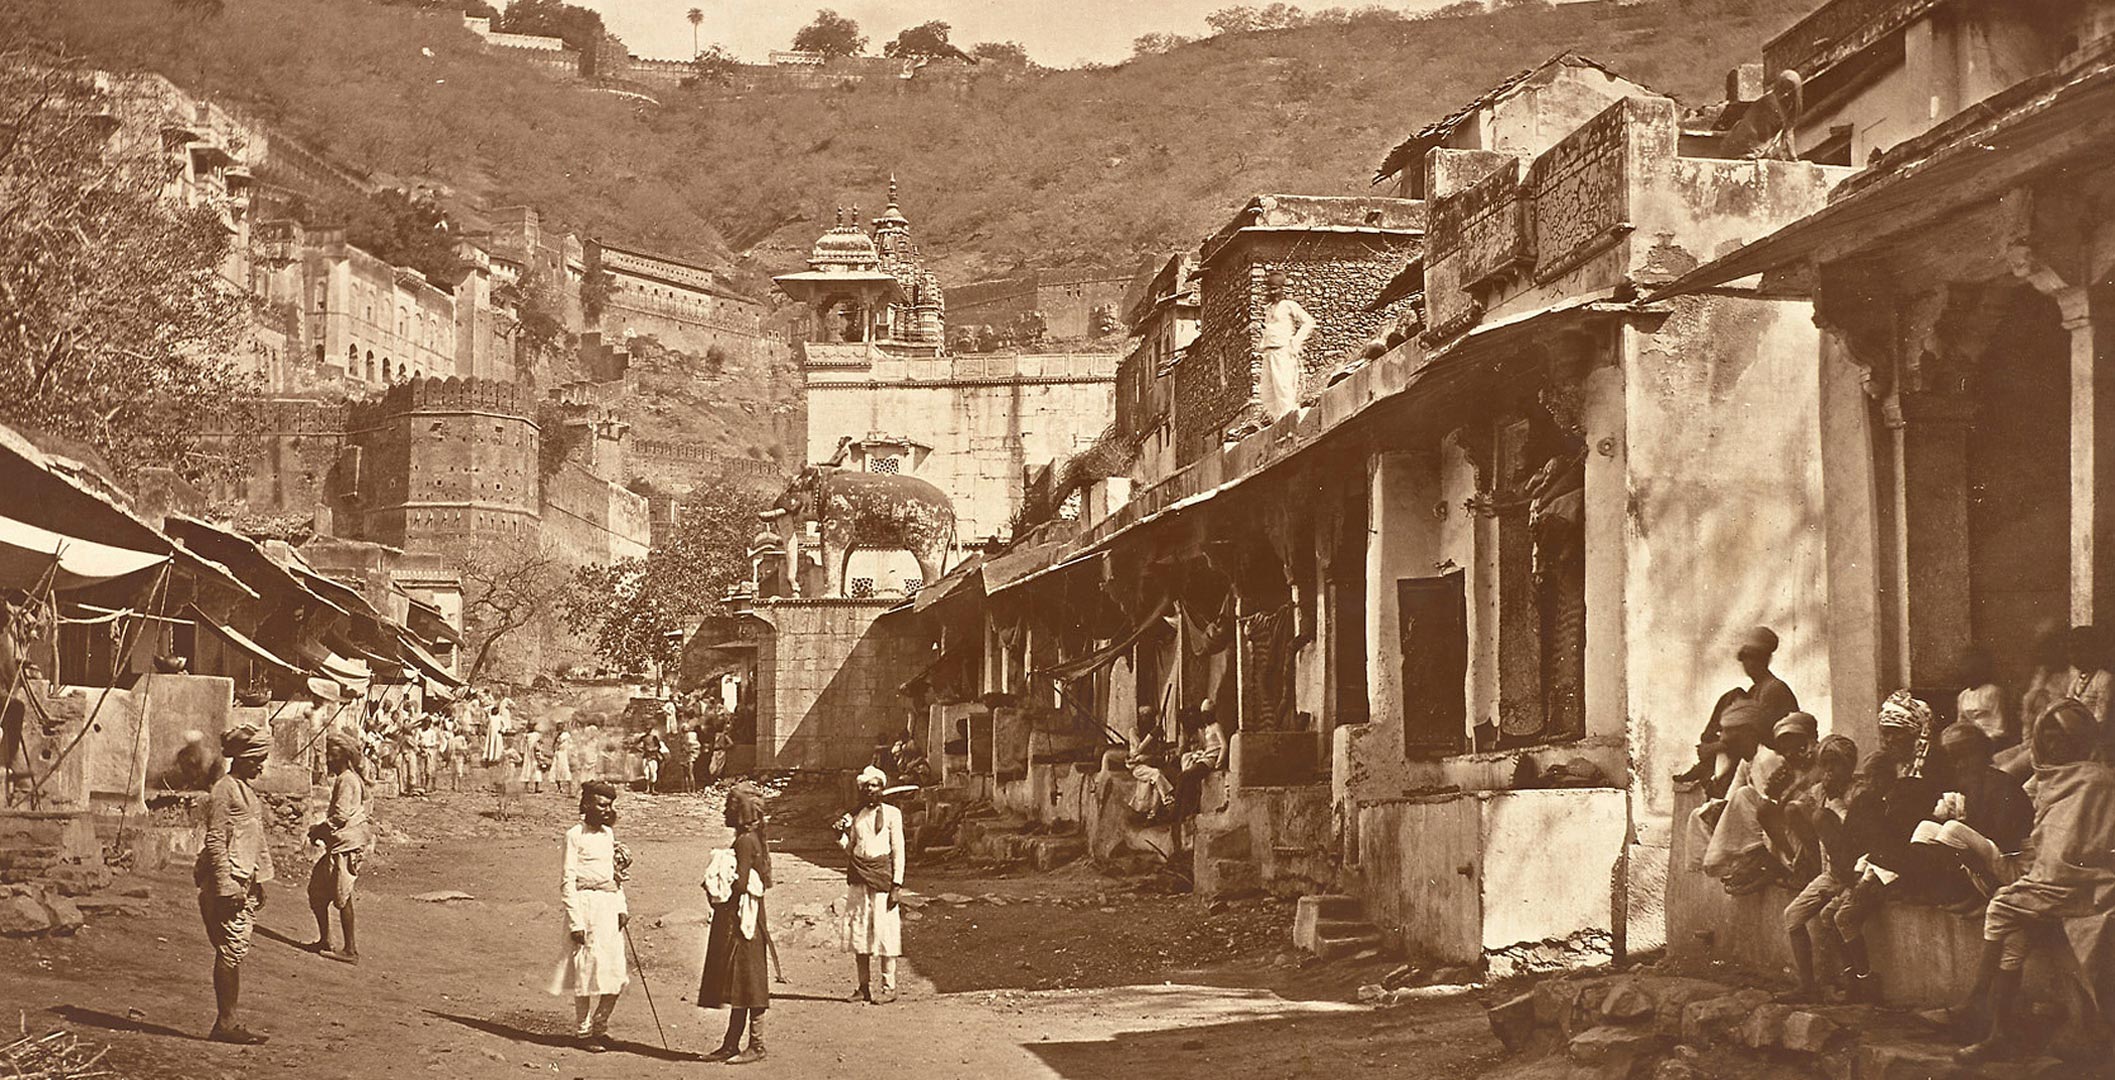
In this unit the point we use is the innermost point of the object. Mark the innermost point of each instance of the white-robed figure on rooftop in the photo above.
(1286, 326)
(592, 891)
(873, 837)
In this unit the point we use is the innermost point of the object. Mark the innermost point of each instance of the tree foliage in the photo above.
(509, 585)
(831, 35)
(117, 324)
(1003, 55)
(716, 66)
(581, 28)
(406, 230)
(925, 41)
(1156, 43)
(636, 611)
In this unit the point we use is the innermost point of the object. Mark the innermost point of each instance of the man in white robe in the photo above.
(873, 836)
(592, 890)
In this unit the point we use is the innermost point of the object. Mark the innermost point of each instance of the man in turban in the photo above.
(1286, 327)
(873, 836)
(1889, 797)
(344, 834)
(1978, 826)
(2068, 874)
(233, 864)
(1772, 698)
(1740, 852)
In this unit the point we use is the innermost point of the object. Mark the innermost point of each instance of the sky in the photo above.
(1057, 33)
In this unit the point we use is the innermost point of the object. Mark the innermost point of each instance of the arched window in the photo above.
(385, 369)
(370, 365)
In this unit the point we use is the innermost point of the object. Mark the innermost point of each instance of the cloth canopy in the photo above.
(241, 642)
(427, 664)
(1108, 654)
(27, 551)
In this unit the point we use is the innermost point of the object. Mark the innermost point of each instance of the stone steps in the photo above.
(1334, 927)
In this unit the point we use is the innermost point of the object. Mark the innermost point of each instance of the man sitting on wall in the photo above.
(1206, 755)
(1148, 762)
(1714, 764)
(2068, 873)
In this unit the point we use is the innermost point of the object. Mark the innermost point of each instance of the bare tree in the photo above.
(508, 585)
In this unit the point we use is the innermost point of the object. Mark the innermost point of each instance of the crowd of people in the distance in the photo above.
(2003, 813)
(691, 749)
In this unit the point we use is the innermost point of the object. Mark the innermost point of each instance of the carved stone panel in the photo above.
(1581, 192)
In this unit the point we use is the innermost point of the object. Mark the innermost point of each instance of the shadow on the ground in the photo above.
(270, 934)
(1363, 1043)
(559, 1041)
(74, 1014)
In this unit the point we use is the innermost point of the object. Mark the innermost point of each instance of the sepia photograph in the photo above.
(1013, 540)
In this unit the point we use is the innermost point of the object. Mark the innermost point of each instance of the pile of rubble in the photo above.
(1649, 1026)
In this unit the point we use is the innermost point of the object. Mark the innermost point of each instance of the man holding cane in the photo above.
(873, 836)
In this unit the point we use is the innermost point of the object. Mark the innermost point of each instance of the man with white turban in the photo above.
(873, 836)
(344, 835)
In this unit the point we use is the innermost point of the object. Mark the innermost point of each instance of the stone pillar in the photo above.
(1932, 454)
(2092, 458)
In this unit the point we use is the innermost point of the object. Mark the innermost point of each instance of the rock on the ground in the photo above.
(1810, 1033)
(1627, 1004)
(1372, 993)
(1513, 1021)
(1720, 1018)
(66, 916)
(23, 916)
(1608, 1043)
(1764, 1028)
(442, 896)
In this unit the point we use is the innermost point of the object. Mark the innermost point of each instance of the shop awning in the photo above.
(27, 553)
(248, 561)
(956, 581)
(343, 596)
(1109, 654)
(426, 621)
(240, 642)
(425, 662)
(65, 497)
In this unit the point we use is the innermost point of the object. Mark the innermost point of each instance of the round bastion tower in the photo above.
(441, 464)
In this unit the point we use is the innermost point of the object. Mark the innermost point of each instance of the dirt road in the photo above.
(1070, 975)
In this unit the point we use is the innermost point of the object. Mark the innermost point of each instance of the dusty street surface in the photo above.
(1065, 975)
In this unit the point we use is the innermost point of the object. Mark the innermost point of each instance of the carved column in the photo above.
(2092, 433)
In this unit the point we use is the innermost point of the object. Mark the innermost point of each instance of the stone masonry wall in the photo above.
(828, 679)
(1335, 276)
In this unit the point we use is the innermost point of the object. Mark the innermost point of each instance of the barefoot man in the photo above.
(873, 836)
(343, 832)
(233, 865)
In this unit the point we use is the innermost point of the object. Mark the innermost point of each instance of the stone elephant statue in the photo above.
(857, 511)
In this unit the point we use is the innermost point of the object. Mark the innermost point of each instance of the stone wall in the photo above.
(1468, 878)
(827, 679)
(1334, 275)
(987, 417)
(588, 519)
(444, 460)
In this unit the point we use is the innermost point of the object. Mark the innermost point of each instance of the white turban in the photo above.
(872, 775)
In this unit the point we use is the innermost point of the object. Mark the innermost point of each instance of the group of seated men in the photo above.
(1927, 817)
(1171, 777)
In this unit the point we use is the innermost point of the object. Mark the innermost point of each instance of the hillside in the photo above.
(1077, 167)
